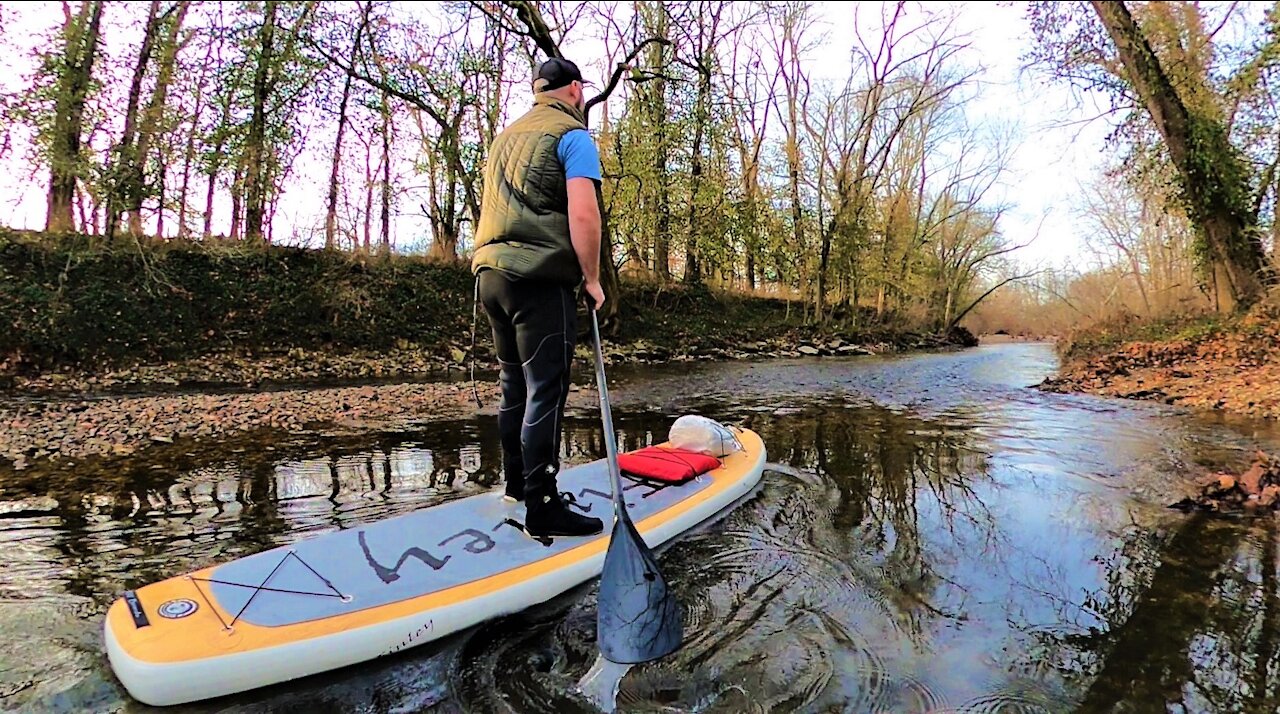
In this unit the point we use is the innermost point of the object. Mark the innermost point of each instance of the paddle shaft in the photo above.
(638, 618)
(611, 449)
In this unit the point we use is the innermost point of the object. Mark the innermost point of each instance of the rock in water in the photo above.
(807, 350)
(1251, 481)
(1256, 489)
(1269, 496)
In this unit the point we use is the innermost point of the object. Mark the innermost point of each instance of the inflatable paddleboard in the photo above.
(354, 595)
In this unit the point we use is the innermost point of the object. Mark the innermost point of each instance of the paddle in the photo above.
(638, 619)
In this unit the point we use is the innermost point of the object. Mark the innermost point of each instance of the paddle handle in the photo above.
(606, 416)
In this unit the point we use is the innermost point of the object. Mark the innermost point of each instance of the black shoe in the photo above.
(547, 515)
(514, 493)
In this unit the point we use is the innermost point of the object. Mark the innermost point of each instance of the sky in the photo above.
(1054, 154)
(1049, 163)
(1059, 146)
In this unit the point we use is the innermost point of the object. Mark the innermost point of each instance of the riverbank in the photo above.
(112, 350)
(53, 433)
(297, 367)
(1229, 365)
(89, 320)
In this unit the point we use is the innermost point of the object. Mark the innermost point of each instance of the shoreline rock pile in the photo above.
(1256, 490)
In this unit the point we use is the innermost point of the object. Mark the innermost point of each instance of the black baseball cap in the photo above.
(556, 73)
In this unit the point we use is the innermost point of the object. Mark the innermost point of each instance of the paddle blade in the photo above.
(638, 619)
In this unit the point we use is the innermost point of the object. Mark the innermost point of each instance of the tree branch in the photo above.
(382, 85)
(956, 320)
(538, 31)
(497, 20)
(619, 69)
(1264, 187)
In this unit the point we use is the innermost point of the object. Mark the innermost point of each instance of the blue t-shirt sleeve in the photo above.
(579, 156)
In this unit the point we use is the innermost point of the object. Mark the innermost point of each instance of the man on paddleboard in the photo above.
(538, 239)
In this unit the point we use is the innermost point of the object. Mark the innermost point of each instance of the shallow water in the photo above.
(931, 535)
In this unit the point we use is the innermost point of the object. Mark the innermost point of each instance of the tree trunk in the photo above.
(385, 244)
(160, 206)
(215, 167)
(608, 272)
(444, 244)
(237, 190)
(824, 259)
(882, 295)
(331, 210)
(120, 187)
(273, 203)
(1136, 268)
(369, 172)
(68, 121)
(442, 208)
(749, 213)
(693, 227)
(87, 217)
(151, 118)
(793, 164)
(188, 158)
(662, 237)
(1214, 179)
(701, 117)
(255, 142)
(855, 288)
(751, 181)
(657, 122)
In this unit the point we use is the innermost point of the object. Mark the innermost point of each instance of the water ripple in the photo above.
(930, 535)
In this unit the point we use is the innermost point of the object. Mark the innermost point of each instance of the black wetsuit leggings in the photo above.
(534, 330)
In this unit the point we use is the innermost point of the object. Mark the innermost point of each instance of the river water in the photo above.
(932, 535)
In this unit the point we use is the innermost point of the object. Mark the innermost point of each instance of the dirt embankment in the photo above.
(86, 317)
(1228, 365)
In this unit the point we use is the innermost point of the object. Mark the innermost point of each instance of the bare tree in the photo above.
(81, 40)
(1181, 112)
(793, 22)
(331, 205)
(123, 184)
(150, 126)
(198, 96)
(271, 66)
(751, 88)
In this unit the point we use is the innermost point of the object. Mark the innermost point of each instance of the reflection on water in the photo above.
(931, 535)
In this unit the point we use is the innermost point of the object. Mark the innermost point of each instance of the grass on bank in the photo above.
(77, 302)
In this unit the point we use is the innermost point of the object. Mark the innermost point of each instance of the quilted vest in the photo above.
(524, 210)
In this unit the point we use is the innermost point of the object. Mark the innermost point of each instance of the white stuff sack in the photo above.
(703, 435)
